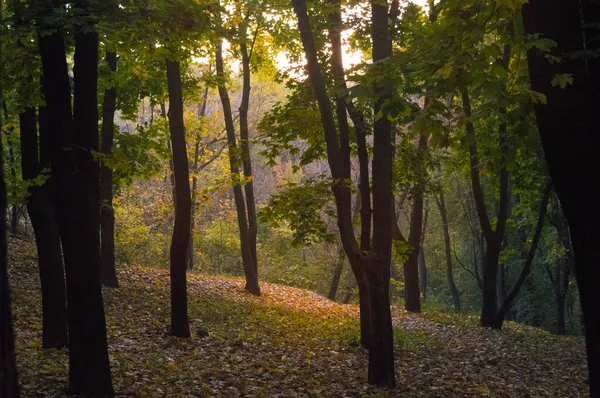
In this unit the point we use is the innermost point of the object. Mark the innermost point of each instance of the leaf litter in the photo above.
(288, 342)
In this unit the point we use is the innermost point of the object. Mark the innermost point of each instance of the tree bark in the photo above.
(47, 239)
(572, 109)
(337, 273)
(412, 295)
(181, 229)
(75, 189)
(249, 268)
(381, 351)
(372, 269)
(448, 250)
(107, 215)
(492, 237)
(343, 172)
(528, 262)
(246, 160)
(201, 114)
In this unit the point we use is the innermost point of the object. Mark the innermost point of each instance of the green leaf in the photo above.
(562, 80)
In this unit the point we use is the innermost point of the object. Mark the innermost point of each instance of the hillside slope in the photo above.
(287, 343)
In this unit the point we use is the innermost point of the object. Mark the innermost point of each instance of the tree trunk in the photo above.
(337, 273)
(422, 274)
(181, 230)
(75, 186)
(246, 160)
(528, 262)
(492, 237)
(381, 351)
(412, 296)
(573, 109)
(448, 250)
(201, 114)
(370, 268)
(9, 384)
(342, 172)
(249, 268)
(107, 215)
(47, 239)
(560, 313)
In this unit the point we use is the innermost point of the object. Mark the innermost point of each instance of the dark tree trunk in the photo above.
(246, 160)
(75, 188)
(337, 273)
(249, 269)
(560, 280)
(492, 237)
(448, 250)
(9, 385)
(47, 239)
(201, 114)
(343, 165)
(560, 313)
(505, 307)
(422, 262)
(422, 274)
(107, 215)
(372, 269)
(412, 295)
(181, 230)
(501, 283)
(381, 351)
(573, 109)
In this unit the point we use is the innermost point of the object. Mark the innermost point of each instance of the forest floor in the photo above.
(287, 343)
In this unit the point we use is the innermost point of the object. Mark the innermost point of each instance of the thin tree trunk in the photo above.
(246, 160)
(107, 215)
(249, 269)
(412, 296)
(201, 114)
(181, 229)
(528, 262)
(560, 314)
(422, 262)
(47, 239)
(449, 273)
(493, 237)
(343, 165)
(337, 273)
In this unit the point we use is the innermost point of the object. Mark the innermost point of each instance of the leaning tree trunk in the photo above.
(246, 160)
(337, 273)
(506, 304)
(181, 230)
(75, 186)
(574, 109)
(249, 269)
(370, 268)
(448, 250)
(107, 214)
(47, 239)
(343, 164)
